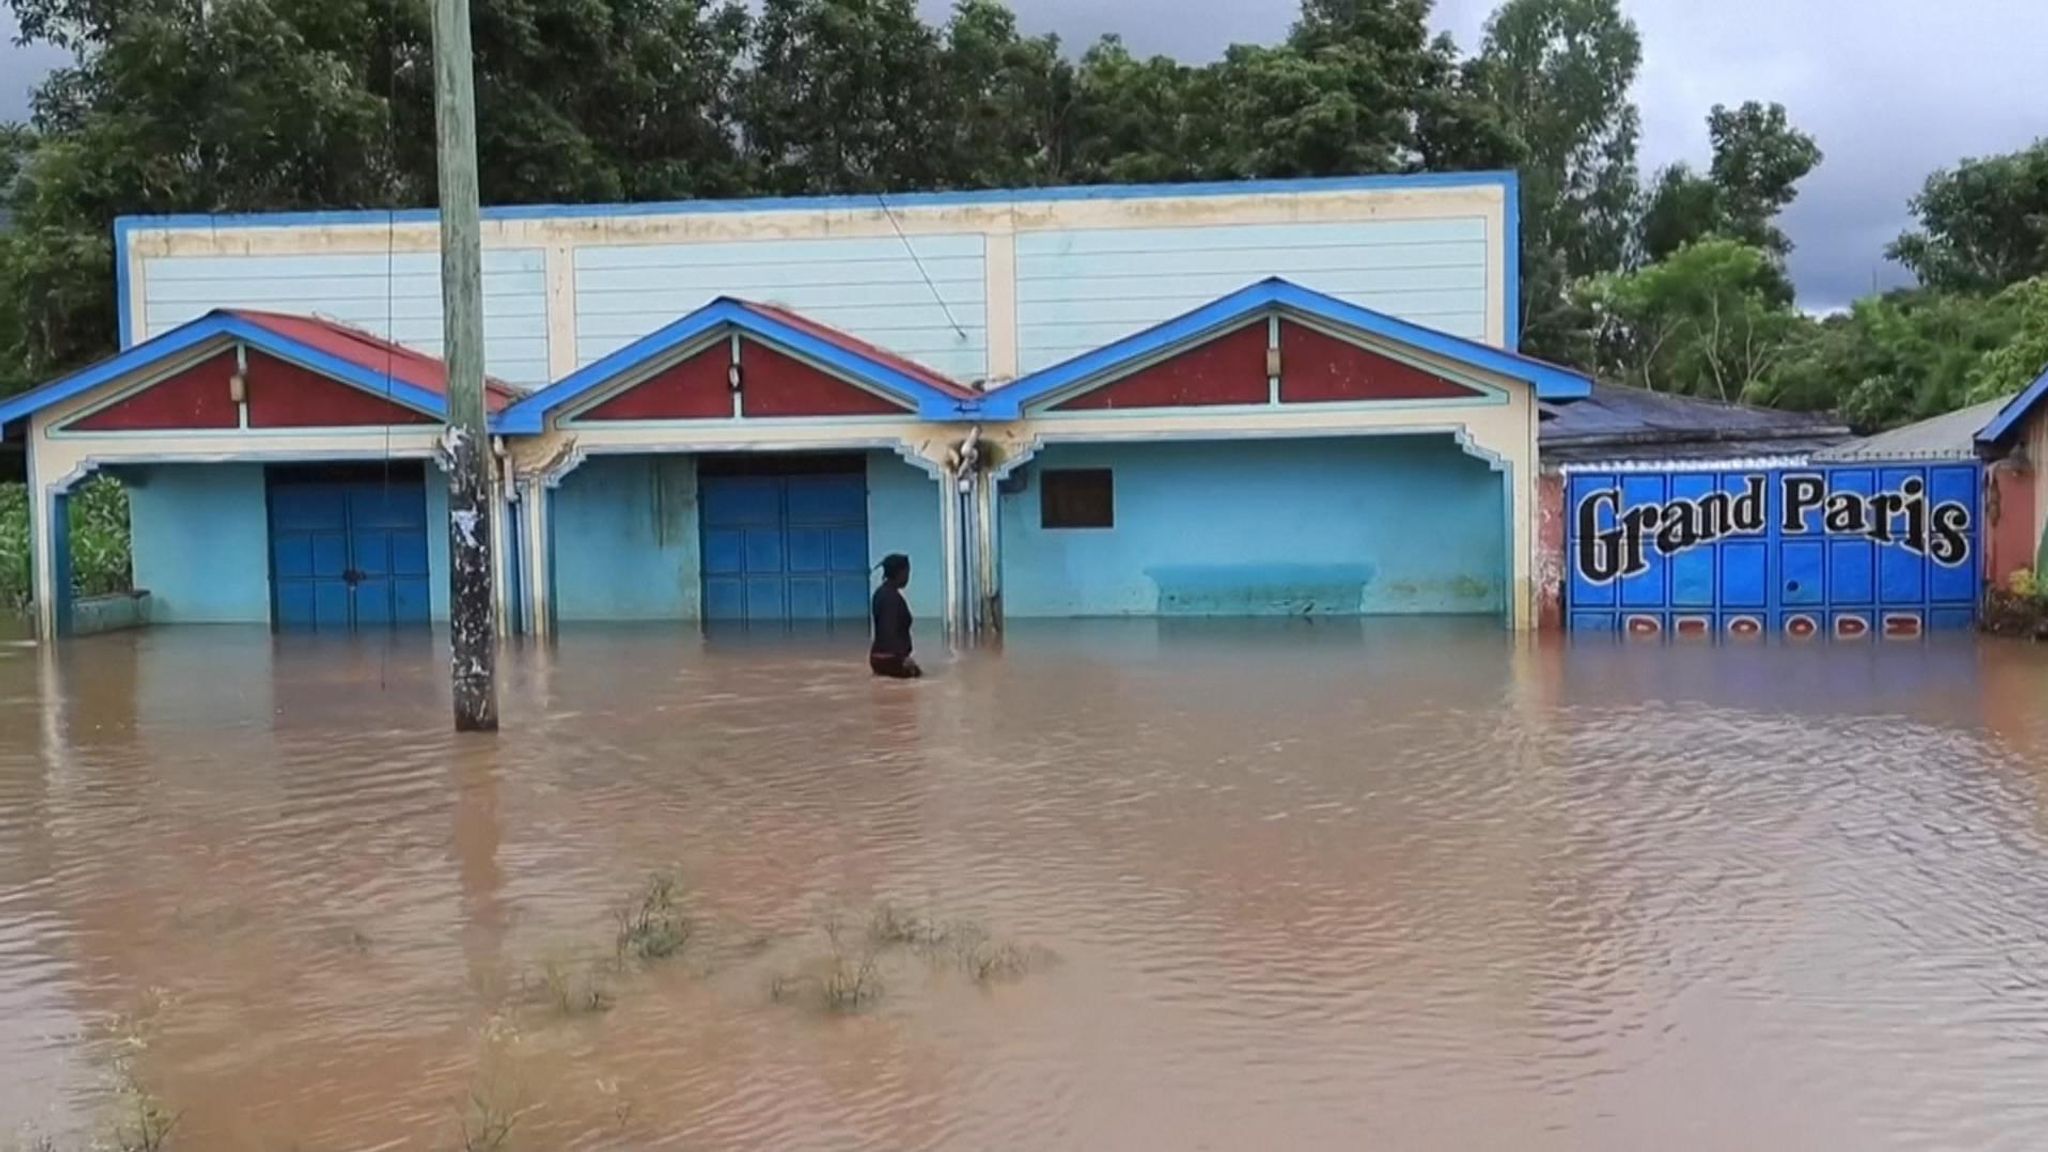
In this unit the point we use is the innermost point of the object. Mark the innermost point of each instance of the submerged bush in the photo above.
(101, 562)
(653, 925)
(846, 978)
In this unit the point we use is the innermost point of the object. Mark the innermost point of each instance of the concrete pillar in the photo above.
(538, 538)
(50, 559)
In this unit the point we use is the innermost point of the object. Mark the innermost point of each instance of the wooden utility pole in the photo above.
(466, 442)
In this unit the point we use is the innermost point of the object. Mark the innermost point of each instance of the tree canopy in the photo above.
(1676, 282)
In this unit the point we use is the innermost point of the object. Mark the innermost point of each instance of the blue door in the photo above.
(781, 548)
(348, 553)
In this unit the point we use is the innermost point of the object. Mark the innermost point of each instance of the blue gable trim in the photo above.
(1505, 180)
(530, 414)
(2014, 413)
(217, 325)
(1549, 381)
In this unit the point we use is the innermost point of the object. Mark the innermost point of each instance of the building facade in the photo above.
(2016, 442)
(1283, 398)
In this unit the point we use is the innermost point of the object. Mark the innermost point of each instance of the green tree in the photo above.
(844, 96)
(1133, 121)
(2015, 364)
(1896, 358)
(1983, 224)
(1705, 322)
(1010, 104)
(1759, 160)
(1559, 72)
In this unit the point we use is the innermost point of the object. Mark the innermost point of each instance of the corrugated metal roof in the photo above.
(1952, 436)
(1619, 424)
(859, 347)
(369, 352)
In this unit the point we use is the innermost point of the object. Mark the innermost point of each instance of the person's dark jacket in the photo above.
(892, 623)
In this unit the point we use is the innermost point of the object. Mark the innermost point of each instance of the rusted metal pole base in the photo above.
(471, 621)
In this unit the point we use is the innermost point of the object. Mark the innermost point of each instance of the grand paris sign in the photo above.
(1614, 539)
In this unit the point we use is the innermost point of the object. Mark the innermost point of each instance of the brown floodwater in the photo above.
(1328, 886)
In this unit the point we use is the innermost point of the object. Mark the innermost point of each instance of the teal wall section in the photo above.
(627, 544)
(201, 538)
(903, 516)
(437, 543)
(1371, 524)
(625, 540)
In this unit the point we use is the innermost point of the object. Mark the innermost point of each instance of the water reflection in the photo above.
(1312, 884)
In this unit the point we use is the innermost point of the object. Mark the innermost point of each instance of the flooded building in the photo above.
(277, 469)
(741, 464)
(1291, 397)
(2015, 439)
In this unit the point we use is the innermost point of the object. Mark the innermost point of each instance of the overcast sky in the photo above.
(1891, 88)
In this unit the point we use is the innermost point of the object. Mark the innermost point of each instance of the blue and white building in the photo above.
(1266, 398)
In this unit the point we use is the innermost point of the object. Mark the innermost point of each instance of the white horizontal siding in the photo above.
(872, 288)
(1079, 290)
(395, 296)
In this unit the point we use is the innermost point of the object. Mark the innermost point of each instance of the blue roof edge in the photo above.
(529, 415)
(2015, 411)
(1502, 178)
(1549, 381)
(219, 322)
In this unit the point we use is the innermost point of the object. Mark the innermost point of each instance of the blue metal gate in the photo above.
(1846, 551)
(783, 548)
(348, 553)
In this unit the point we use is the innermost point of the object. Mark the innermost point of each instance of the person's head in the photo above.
(896, 569)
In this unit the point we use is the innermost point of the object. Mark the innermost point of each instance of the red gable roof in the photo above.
(372, 354)
(859, 347)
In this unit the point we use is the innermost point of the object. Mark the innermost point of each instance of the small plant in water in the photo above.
(890, 926)
(847, 978)
(574, 987)
(491, 1111)
(653, 925)
(487, 1124)
(140, 1122)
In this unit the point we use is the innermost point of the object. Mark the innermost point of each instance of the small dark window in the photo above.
(1077, 498)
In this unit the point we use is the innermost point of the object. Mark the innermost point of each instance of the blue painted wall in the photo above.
(1079, 290)
(903, 516)
(1266, 527)
(437, 543)
(396, 296)
(201, 538)
(626, 545)
(874, 288)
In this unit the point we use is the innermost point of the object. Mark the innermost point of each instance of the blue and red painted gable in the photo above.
(734, 359)
(296, 372)
(1242, 367)
(1276, 342)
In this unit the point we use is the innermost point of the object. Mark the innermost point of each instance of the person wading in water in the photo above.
(889, 655)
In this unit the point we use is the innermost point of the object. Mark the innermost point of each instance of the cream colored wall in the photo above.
(998, 222)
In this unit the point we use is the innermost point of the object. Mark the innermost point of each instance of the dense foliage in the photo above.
(1674, 281)
(99, 541)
